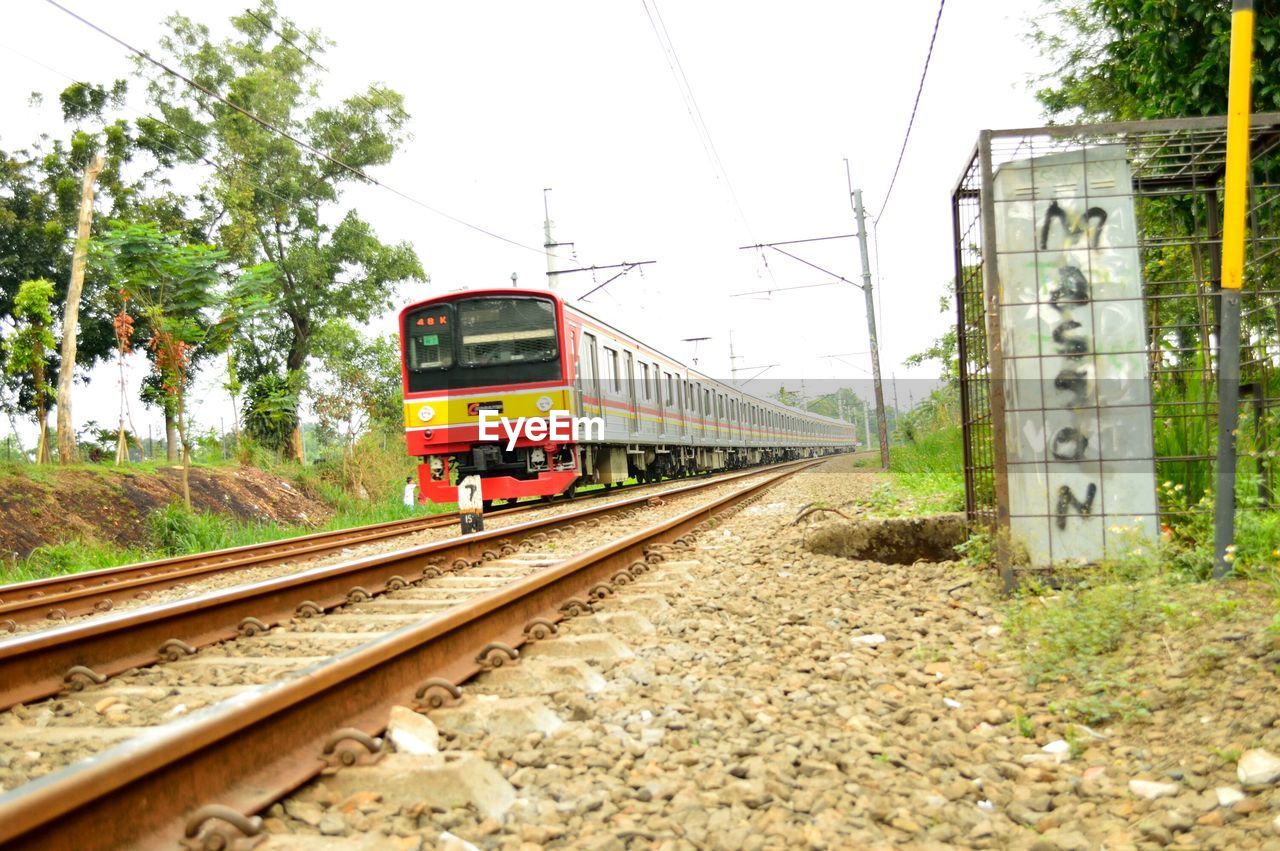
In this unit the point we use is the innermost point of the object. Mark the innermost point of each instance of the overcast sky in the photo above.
(508, 98)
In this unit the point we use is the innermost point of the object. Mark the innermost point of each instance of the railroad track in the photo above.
(204, 774)
(59, 598)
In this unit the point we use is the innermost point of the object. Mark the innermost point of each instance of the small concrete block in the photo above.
(623, 623)
(592, 647)
(448, 780)
(501, 716)
(543, 676)
(412, 732)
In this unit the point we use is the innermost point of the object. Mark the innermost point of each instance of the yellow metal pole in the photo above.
(1236, 193)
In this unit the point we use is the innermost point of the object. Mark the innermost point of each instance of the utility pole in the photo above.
(1235, 207)
(855, 196)
(71, 314)
(549, 244)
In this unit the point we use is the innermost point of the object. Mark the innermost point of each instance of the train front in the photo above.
(497, 359)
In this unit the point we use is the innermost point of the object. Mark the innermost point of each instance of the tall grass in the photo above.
(173, 531)
(930, 466)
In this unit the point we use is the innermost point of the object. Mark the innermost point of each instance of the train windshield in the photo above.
(500, 331)
(430, 338)
(481, 341)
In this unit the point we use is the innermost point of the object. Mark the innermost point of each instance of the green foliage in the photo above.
(176, 529)
(786, 397)
(945, 350)
(271, 411)
(30, 344)
(67, 557)
(29, 348)
(361, 382)
(280, 203)
(977, 551)
(931, 467)
(1122, 60)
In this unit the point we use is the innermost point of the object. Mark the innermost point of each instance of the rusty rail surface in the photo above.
(41, 664)
(60, 597)
(239, 756)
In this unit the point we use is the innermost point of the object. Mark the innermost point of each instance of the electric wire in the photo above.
(672, 57)
(262, 122)
(192, 149)
(914, 107)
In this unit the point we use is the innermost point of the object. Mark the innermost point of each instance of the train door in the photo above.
(656, 374)
(591, 404)
(630, 374)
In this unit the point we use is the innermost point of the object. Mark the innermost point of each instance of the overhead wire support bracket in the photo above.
(774, 246)
(625, 266)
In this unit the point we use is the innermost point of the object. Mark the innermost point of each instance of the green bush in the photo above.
(175, 530)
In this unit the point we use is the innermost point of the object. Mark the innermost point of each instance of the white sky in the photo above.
(507, 98)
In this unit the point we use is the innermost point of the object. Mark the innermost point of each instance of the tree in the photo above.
(275, 200)
(359, 389)
(40, 190)
(787, 397)
(944, 350)
(29, 350)
(1118, 60)
(183, 313)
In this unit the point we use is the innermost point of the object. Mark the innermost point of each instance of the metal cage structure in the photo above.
(1169, 213)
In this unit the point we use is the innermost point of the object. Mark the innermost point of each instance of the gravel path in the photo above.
(781, 699)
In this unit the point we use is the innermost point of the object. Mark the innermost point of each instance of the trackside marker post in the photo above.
(471, 505)
(1236, 186)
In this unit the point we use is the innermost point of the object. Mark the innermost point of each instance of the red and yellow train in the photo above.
(525, 355)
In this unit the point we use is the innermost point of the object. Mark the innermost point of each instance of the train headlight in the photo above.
(544, 403)
(425, 413)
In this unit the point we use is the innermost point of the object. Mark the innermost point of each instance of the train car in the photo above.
(537, 397)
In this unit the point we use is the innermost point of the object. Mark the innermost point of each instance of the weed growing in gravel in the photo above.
(976, 551)
(1025, 727)
(1098, 630)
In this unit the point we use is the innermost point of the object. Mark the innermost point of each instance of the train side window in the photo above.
(670, 382)
(587, 358)
(611, 369)
(644, 381)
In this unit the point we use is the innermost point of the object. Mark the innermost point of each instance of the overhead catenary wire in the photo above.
(914, 108)
(672, 57)
(262, 122)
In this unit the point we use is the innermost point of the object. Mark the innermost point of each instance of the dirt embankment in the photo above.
(49, 505)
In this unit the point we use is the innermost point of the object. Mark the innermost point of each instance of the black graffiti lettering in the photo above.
(1074, 380)
(1069, 444)
(1072, 347)
(1089, 225)
(1073, 288)
(1067, 501)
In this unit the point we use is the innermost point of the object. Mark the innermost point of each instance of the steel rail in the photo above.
(44, 663)
(246, 752)
(97, 591)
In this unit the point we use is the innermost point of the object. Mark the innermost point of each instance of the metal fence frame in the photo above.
(1167, 157)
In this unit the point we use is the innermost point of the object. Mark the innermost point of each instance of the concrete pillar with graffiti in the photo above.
(1081, 469)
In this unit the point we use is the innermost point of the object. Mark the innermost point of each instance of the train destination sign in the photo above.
(1081, 470)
